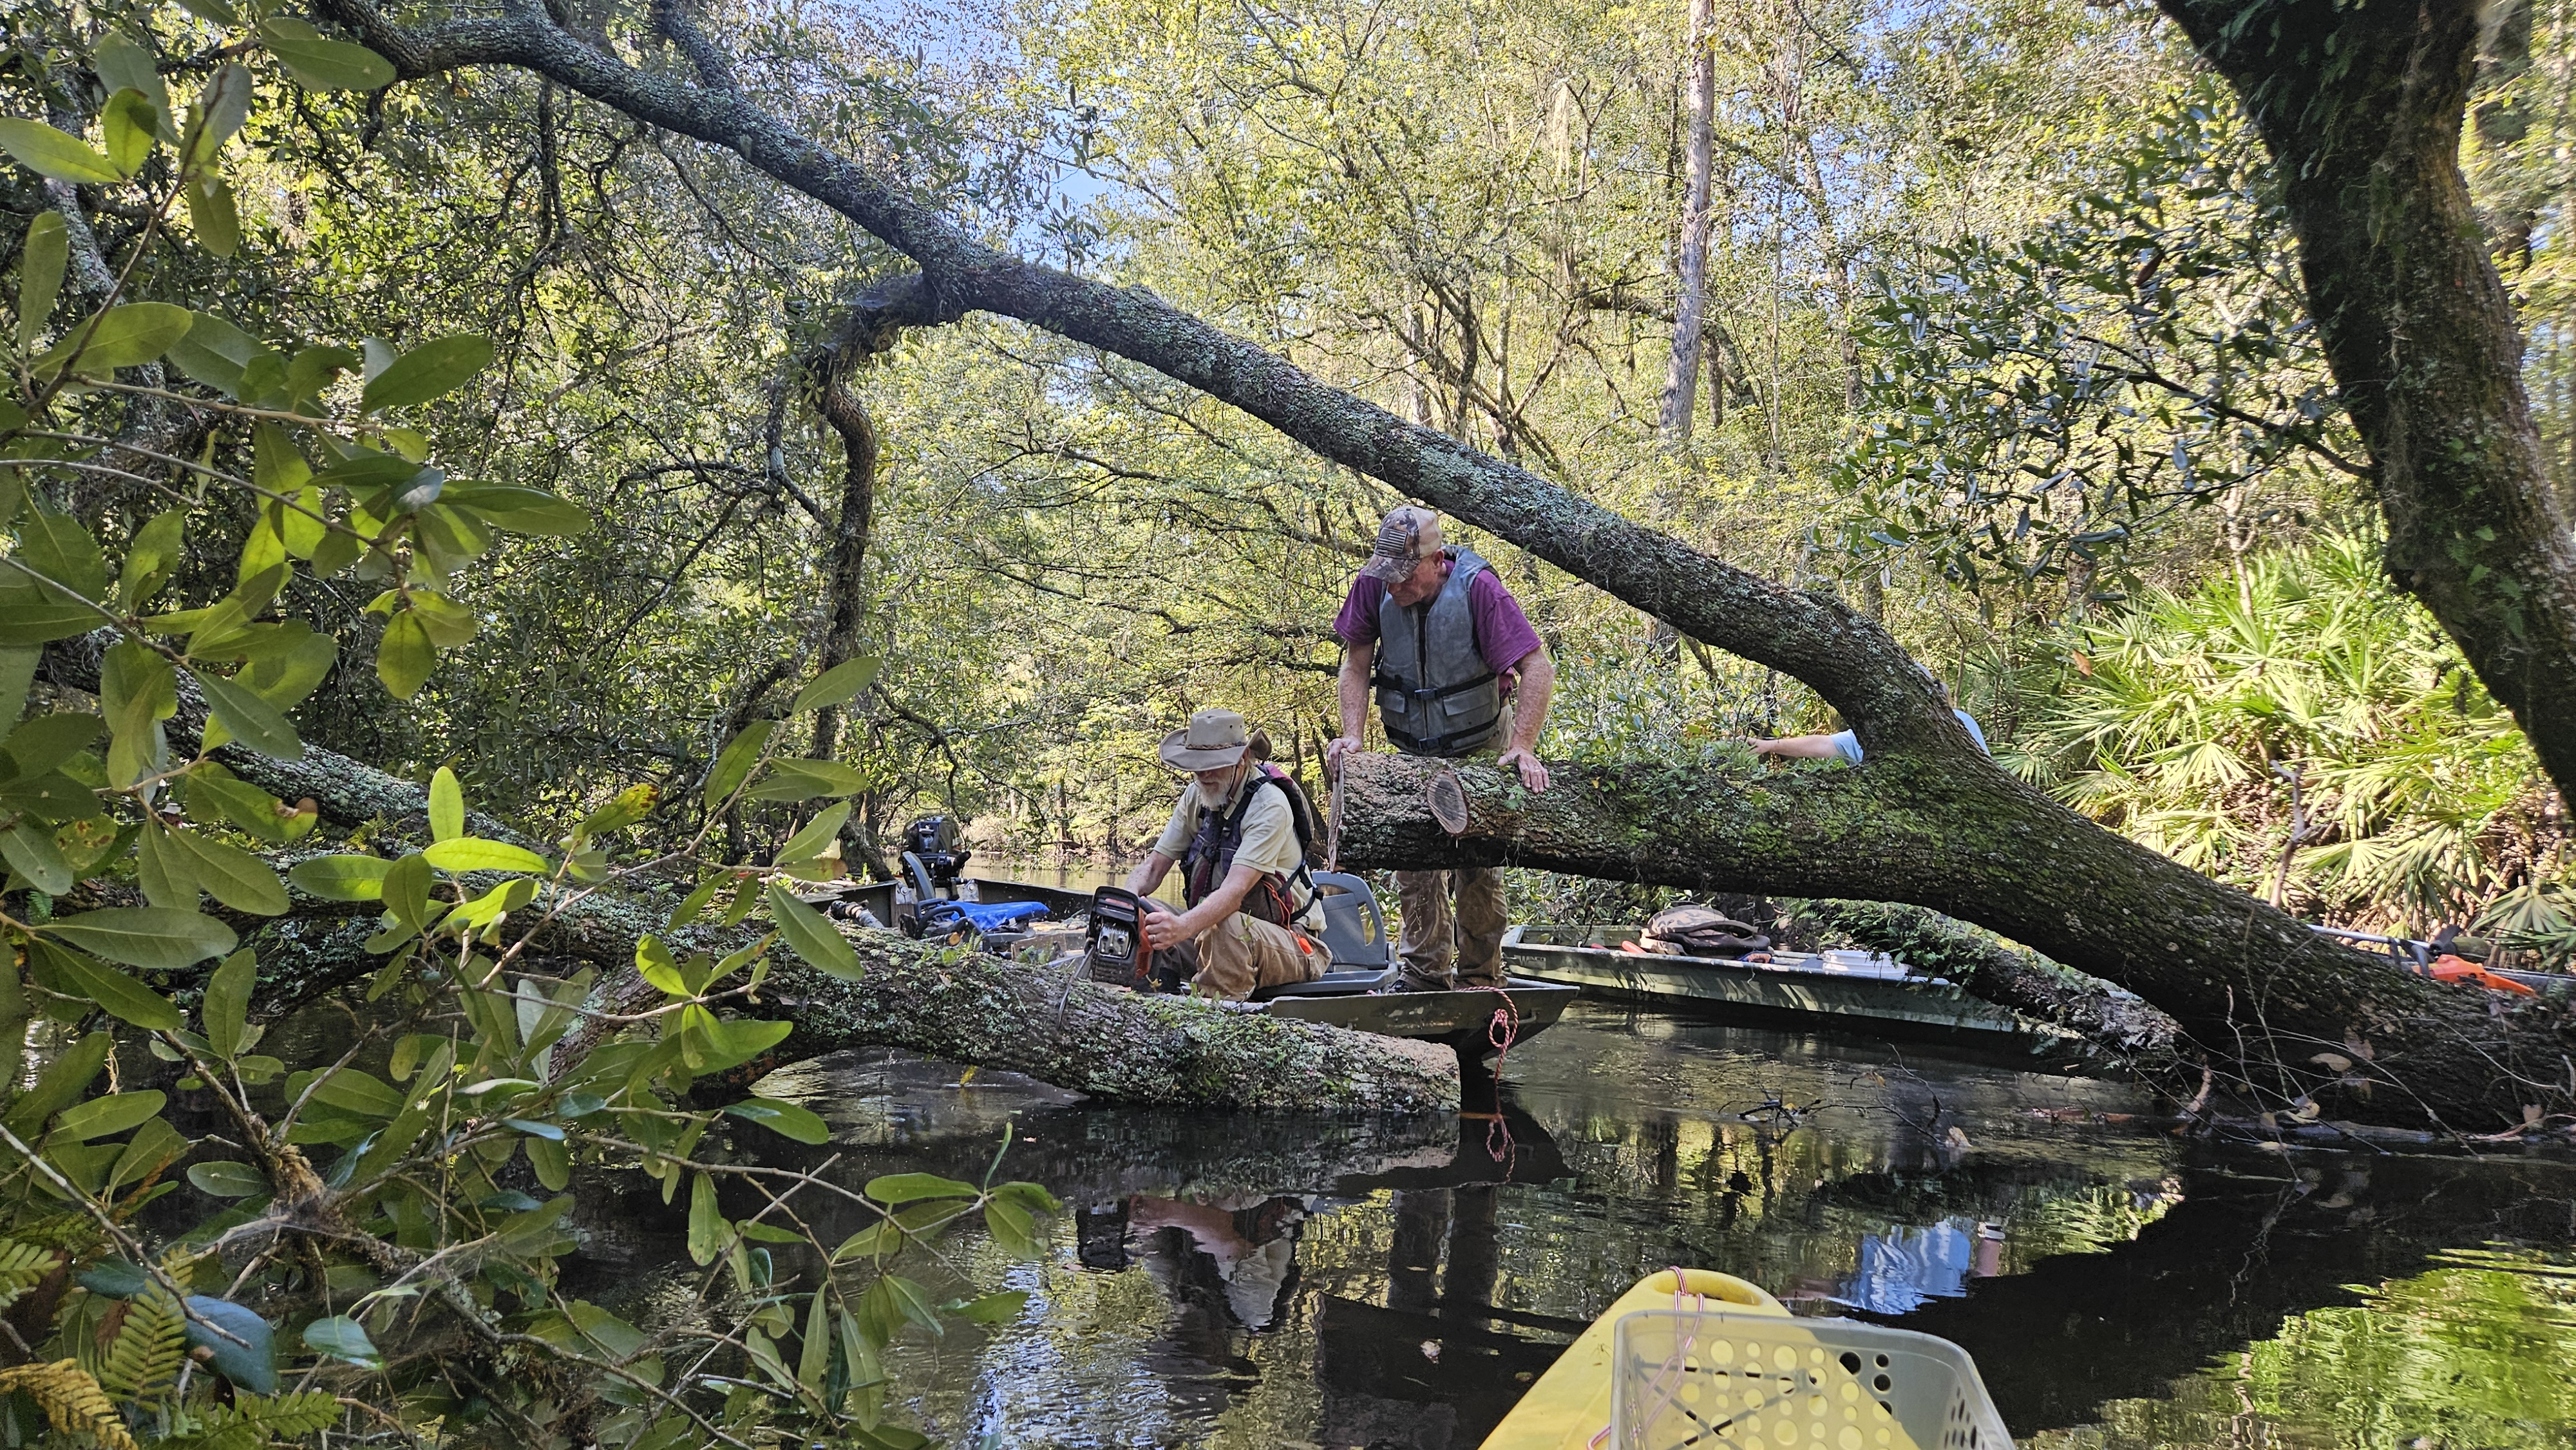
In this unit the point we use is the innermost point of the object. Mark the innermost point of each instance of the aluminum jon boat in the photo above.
(1855, 990)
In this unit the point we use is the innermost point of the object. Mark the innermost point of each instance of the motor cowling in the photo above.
(932, 840)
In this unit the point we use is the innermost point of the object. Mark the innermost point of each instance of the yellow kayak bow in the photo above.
(1693, 1358)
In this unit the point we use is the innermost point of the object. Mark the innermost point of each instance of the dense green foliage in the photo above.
(2188, 719)
(376, 1247)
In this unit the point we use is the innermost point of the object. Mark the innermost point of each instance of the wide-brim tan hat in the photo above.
(1213, 740)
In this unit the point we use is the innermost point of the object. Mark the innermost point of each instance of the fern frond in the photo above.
(23, 1267)
(252, 1421)
(75, 1403)
(144, 1357)
(289, 1415)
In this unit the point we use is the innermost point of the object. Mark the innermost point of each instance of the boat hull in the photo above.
(1798, 990)
(1462, 1019)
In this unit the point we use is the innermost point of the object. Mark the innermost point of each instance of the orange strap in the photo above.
(2448, 968)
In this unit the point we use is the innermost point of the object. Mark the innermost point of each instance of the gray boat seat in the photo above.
(1363, 960)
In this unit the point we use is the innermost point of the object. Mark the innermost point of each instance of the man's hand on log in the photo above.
(1533, 773)
(1338, 747)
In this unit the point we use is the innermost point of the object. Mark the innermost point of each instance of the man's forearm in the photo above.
(1798, 747)
(1529, 710)
(1358, 663)
(1221, 903)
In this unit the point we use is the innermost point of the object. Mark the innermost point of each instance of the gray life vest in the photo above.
(1435, 693)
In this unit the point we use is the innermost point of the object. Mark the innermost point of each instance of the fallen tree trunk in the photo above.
(1125, 1046)
(2113, 1023)
(2286, 1014)
(973, 1008)
(344, 792)
(969, 1007)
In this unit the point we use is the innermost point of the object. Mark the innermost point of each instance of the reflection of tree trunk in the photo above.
(1681, 379)
(2221, 1270)
(1475, 1251)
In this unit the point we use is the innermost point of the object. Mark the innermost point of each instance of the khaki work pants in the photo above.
(1470, 936)
(1435, 935)
(1243, 954)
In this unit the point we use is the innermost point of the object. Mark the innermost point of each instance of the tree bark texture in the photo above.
(1681, 377)
(1930, 819)
(2252, 990)
(845, 567)
(2362, 105)
(345, 792)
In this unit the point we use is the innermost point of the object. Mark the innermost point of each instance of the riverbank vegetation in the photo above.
(540, 409)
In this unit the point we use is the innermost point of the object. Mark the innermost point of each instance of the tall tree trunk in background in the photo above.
(2362, 105)
(845, 567)
(1681, 379)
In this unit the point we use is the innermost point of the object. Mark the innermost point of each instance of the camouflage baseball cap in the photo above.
(1408, 536)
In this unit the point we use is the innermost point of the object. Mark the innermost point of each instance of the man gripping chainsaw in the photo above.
(1239, 836)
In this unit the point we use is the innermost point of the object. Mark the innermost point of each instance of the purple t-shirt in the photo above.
(1503, 633)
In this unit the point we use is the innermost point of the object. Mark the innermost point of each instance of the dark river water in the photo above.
(1273, 1282)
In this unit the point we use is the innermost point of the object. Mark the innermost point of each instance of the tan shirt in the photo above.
(1269, 834)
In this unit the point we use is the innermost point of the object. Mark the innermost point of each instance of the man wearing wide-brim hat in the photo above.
(1458, 673)
(1252, 920)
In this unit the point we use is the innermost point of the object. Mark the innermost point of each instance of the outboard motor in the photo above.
(932, 857)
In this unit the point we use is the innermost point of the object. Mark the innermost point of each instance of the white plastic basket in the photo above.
(1755, 1382)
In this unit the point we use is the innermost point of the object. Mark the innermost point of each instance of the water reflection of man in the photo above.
(1252, 1245)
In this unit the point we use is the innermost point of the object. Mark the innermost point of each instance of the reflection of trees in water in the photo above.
(1416, 1236)
(2226, 1267)
(2475, 1353)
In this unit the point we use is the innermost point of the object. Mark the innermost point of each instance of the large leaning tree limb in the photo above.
(1929, 820)
(2291, 1016)
(2361, 105)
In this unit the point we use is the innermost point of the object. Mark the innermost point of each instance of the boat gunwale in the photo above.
(1799, 966)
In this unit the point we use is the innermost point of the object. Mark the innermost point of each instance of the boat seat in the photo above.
(1354, 924)
(1363, 960)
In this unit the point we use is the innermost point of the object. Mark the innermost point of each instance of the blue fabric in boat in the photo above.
(984, 916)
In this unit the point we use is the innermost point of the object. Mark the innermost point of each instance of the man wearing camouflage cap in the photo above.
(1459, 675)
